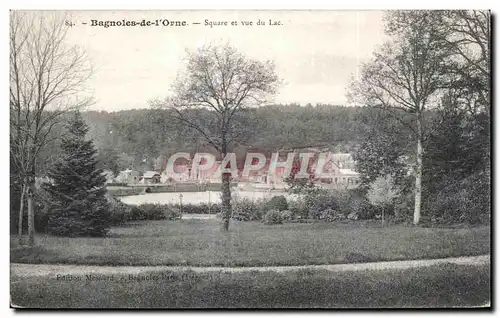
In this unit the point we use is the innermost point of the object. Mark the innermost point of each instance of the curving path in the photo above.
(34, 270)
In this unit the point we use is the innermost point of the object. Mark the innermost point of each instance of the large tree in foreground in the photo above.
(407, 73)
(77, 190)
(46, 80)
(224, 81)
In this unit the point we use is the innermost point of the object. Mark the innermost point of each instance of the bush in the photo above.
(151, 211)
(331, 215)
(353, 216)
(466, 200)
(202, 208)
(273, 217)
(287, 215)
(323, 202)
(354, 203)
(120, 212)
(404, 207)
(136, 214)
(173, 213)
(277, 203)
(299, 208)
(246, 210)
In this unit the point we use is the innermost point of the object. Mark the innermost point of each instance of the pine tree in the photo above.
(78, 189)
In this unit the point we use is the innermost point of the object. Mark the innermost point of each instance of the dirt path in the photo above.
(31, 270)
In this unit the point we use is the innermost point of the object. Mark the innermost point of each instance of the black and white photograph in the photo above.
(250, 159)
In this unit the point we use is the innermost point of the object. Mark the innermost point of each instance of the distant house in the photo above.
(342, 160)
(340, 172)
(151, 177)
(186, 173)
(128, 176)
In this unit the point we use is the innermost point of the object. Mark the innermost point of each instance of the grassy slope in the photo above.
(437, 286)
(200, 242)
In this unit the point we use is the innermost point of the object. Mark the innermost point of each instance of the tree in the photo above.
(224, 82)
(407, 74)
(46, 80)
(382, 192)
(79, 206)
(467, 33)
(469, 39)
(384, 148)
(107, 159)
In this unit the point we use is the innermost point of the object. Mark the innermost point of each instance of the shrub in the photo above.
(321, 203)
(273, 217)
(331, 215)
(287, 215)
(299, 208)
(202, 208)
(246, 210)
(173, 213)
(364, 209)
(136, 214)
(152, 211)
(120, 212)
(466, 200)
(353, 202)
(403, 208)
(353, 216)
(278, 203)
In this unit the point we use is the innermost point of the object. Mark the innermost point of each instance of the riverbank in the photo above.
(139, 189)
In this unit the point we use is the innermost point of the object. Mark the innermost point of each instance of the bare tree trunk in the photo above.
(226, 200)
(418, 175)
(21, 214)
(226, 190)
(31, 213)
(383, 211)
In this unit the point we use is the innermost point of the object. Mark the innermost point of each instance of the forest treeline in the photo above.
(137, 138)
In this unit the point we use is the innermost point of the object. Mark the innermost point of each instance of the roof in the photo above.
(348, 171)
(128, 171)
(340, 157)
(150, 174)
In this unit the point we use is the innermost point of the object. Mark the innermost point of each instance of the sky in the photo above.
(316, 52)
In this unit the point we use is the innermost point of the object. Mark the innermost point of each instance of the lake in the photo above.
(197, 197)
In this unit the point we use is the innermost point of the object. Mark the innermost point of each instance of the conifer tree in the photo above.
(78, 187)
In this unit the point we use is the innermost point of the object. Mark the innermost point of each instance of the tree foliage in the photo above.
(382, 192)
(77, 191)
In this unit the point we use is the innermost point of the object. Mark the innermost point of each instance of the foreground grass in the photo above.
(202, 243)
(437, 286)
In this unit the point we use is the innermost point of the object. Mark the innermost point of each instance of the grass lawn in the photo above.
(201, 242)
(437, 286)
